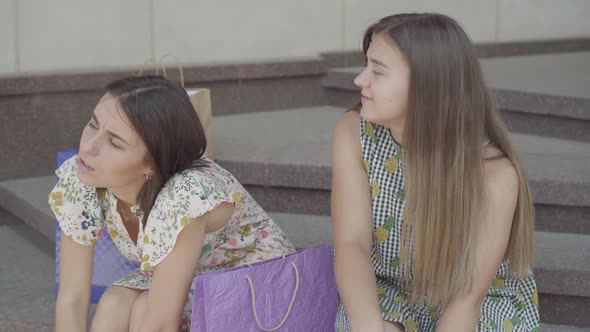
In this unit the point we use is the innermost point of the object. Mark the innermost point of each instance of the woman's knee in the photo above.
(113, 309)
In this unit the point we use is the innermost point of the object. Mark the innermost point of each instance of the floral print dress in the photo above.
(512, 304)
(84, 213)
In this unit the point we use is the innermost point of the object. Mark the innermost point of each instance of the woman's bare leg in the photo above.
(114, 309)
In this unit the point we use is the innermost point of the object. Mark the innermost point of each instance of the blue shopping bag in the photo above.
(109, 264)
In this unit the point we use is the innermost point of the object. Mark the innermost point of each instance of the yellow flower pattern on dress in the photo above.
(382, 232)
(245, 231)
(375, 189)
(57, 198)
(535, 297)
(392, 163)
(435, 314)
(101, 193)
(56, 201)
(500, 282)
(113, 233)
(393, 315)
(509, 324)
(185, 221)
(366, 165)
(411, 325)
(237, 197)
(370, 130)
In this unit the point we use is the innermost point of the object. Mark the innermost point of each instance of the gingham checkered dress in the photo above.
(511, 304)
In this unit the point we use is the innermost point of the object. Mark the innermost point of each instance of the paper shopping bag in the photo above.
(296, 293)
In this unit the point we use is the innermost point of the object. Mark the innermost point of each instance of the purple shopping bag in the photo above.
(109, 264)
(296, 293)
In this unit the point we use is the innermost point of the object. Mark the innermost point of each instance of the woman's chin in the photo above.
(368, 115)
(87, 180)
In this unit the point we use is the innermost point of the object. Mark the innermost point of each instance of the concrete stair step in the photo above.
(562, 328)
(292, 174)
(283, 158)
(27, 278)
(18, 326)
(546, 95)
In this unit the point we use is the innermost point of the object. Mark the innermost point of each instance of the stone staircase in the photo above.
(545, 95)
(283, 158)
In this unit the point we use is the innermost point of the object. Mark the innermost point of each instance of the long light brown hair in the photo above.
(450, 115)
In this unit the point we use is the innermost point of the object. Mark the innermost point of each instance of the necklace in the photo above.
(122, 213)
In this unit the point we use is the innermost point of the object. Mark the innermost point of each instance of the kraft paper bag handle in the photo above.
(253, 292)
(179, 67)
(153, 62)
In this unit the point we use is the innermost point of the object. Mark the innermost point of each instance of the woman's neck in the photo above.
(397, 131)
(126, 196)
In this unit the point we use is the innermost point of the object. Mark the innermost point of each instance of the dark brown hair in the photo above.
(450, 115)
(163, 116)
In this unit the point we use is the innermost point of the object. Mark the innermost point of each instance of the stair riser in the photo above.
(517, 121)
(564, 310)
(547, 125)
(548, 218)
(58, 118)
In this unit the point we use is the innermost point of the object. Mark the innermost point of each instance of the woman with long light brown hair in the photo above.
(432, 214)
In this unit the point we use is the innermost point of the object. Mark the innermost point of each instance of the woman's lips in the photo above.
(365, 98)
(84, 166)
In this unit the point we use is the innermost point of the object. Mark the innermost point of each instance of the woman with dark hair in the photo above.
(432, 214)
(141, 175)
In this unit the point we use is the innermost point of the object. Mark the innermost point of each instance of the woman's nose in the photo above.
(361, 81)
(89, 145)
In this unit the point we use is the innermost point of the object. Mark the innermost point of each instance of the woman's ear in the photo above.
(148, 170)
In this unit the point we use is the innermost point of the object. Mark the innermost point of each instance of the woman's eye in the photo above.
(376, 73)
(91, 125)
(115, 145)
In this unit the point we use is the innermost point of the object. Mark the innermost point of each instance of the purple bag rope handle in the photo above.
(288, 309)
